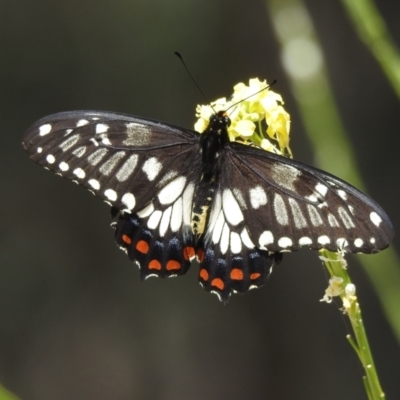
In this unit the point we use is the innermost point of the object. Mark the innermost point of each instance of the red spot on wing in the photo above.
(200, 255)
(126, 239)
(142, 246)
(173, 265)
(255, 275)
(203, 274)
(188, 253)
(218, 283)
(237, 274)
(155, 264)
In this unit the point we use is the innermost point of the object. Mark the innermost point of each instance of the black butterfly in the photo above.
(180, 195)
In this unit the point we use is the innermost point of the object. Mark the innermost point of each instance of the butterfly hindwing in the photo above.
(230, 261)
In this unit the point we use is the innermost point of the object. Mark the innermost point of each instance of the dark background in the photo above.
(76, 322)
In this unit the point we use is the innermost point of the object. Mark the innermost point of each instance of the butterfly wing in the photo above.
(267, 204)
(288, 205)
(143, 168)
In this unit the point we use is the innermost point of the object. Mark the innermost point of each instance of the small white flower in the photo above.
(349, 297)
(334, 289)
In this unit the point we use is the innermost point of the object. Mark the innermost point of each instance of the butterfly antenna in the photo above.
(194, 80)
(248, 97)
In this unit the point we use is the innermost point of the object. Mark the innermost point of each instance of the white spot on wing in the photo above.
(187, 203)
(358, 242)
(145, 212)
(111, 194)
(176, 217)
(232, 211)
(305, 241)
(375, 218)
(82, 122)
(152, 168)
(50, 159)
(170, 192)
(137, 134)
(236, 243)
(79, 152)
(285, 175)
(258, 197)
(265, 239)
(281, 214)
(102, 128)
(216, 208)
(246, 239)
(127, 168)
(342, 194)
(285, 242)
(79, 172)
(128, 200)
(216, 234)
(39, 149)
(239, 197)
(333, 222)
(111, 163)
(316, 219)
(94, 183)
(313, 198)
(345, 217)
(298, 217)
(105, 140)
(321, 189)
(324, 240)
(154, 219)
(224, 239)
(165, 221)
(70, 142)
(167, 178)
(97, 156)
(64, 166)
(44, 130)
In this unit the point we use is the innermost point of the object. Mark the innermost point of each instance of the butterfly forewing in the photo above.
(287, 205)
(113, 155)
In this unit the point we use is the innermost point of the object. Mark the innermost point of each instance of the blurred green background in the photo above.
(76, 322)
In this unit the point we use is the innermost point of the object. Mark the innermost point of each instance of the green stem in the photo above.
(351, 306)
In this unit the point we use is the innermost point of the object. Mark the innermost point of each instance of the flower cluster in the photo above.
(257, 117)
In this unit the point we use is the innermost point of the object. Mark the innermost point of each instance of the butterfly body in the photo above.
(179, 196)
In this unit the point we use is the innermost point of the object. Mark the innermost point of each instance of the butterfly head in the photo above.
(219, 121)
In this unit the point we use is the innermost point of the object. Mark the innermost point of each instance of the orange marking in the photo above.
(155, 264)
(173, 265)
(203, 274)
(142, 246)
(126, 239)
(200, 255)
(237, 274)
(218, 283)
(255, 275)
(188, 253)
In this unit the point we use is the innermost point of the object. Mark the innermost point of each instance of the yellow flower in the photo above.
(257, 117)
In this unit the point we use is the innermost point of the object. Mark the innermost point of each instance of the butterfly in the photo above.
(179, 196)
